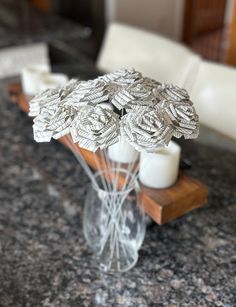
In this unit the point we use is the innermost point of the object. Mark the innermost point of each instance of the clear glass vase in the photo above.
(114, 222)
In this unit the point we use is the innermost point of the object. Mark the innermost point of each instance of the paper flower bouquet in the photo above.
(98, 114)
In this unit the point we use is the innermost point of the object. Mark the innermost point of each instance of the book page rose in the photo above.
(139, 93)
(184, 118)
(90, 92)
(122, 76)
(95, 127)
(49, 98)
(53, 125)
(146, 128)
(172, 92)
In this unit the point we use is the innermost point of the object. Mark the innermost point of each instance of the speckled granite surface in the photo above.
(44, 260)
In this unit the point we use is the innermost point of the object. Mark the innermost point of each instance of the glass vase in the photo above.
(114, 221)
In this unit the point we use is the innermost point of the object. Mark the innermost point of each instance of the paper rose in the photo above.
(149, 83)
(146, 128)
(95, 127)
(139, 93)
(184, 119)
(122, 76)
(47, 126)
(51, 99)
(90, 92)
(172, 92)
(40, 132)
(53, 118)
(68, 88)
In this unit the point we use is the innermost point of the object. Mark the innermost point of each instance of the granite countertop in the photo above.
(44, 260)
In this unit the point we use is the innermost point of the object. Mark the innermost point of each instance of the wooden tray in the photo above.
(162, 205)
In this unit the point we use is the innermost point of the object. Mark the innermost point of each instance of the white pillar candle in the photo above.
(122, 152)
(30, 78)
(48, 80)
(160, 170)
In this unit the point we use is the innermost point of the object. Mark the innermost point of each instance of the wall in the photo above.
(229, 11)
(231, 50)
(162, 16)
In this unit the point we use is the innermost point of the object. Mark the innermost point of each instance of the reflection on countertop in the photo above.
(22, 24)
(44, 258)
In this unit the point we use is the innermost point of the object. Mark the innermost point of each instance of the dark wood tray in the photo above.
(162, 205)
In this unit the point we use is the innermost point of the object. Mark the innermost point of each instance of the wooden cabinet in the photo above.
(201, 17)
(231, 51)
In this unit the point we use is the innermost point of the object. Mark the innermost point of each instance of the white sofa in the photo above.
(151, 54)
(212, 87)
(214, 96)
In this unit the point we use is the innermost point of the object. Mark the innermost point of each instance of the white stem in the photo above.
(81, 160)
